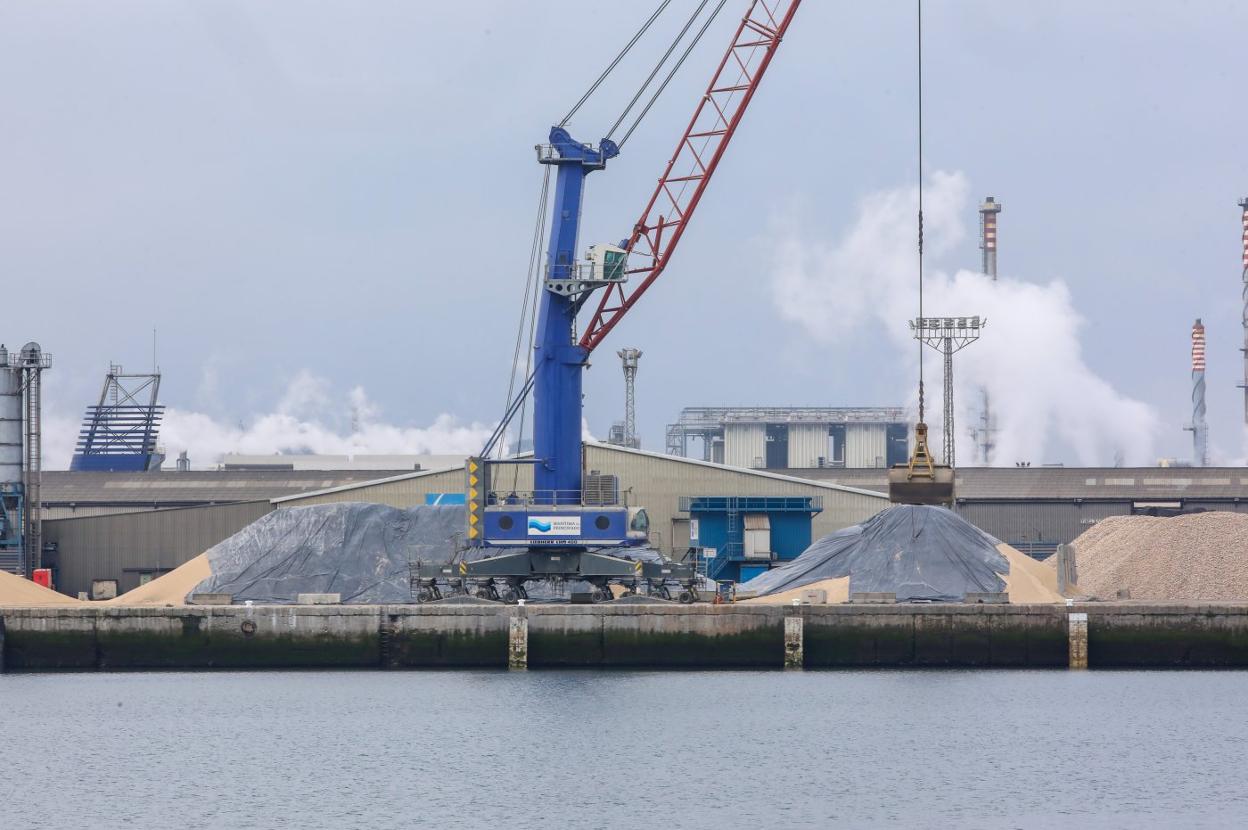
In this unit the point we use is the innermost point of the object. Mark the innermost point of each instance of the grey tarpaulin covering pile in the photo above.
(360, 551)
(916, 552)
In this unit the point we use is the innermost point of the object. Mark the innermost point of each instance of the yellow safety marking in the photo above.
(472, 494)
(463, 568)
(637, 566)
(473, 519)
(472, 466)
(472, 481)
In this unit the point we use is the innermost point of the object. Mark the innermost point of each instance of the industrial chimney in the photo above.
(988, 211)
(1243, 203)
(988, 235)
(1200, 430)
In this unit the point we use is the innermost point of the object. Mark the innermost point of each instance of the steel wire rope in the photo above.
(530, 294)
(920, 138)
(680, 62)
(663, 60)
(528, 372)
(627, 47)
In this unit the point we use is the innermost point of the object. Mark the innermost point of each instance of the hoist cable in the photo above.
(627, 47)
(663, 60)
(672, 73)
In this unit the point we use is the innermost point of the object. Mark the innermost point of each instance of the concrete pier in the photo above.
(633, 635)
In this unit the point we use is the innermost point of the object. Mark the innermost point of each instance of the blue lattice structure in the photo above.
(119, 434)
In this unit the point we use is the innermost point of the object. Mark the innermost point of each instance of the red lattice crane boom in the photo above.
(655, 236)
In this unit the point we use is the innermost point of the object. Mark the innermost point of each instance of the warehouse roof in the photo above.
(1091, 483)
(181, 489)
(674, 459)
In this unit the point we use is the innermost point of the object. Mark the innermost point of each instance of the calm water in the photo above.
(625, 750)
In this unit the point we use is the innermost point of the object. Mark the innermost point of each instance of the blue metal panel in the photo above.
(721, 526)
(790, 534)
(445, 498)
(108, 463)
(748, 572)
(520, 526)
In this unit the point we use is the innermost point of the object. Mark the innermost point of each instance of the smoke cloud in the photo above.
(1045, 398)
(307, 419)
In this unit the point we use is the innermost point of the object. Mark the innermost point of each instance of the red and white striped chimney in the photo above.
(1200, 430)
(1243, 203)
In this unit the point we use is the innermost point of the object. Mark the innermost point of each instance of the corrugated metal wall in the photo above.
(866, 445)
(656, 483)
(807, 444)
(122, 546)
(1054, 521)
(745, 445)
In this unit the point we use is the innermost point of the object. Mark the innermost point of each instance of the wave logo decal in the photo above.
(563, 526)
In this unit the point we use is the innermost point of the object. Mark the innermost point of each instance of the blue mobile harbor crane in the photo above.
(562, 529)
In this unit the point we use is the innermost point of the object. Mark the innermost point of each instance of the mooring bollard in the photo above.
(1078, 640)
(793, 631)
(518, 639)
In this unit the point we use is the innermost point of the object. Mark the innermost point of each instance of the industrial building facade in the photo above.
(132, 527)
(779, 438)
(132, 547)
(1037, 508)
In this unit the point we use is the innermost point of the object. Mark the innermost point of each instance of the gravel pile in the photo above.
(1202, 556)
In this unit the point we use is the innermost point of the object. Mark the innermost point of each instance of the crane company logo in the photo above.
(554, 525)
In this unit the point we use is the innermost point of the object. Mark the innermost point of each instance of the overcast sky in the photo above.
(346, 190)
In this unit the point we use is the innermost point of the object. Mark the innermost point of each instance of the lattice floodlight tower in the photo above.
(629, 359)
(948, 335)
(21, 457)
(119, 433)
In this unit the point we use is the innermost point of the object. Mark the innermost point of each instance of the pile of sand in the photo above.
(170, 589)
(1029, 580)
(16, 592)
(1201, 556)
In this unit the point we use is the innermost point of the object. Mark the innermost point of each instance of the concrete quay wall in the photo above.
(633, 635)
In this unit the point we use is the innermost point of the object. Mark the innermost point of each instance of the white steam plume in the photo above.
(1044, 397)
(307, 420)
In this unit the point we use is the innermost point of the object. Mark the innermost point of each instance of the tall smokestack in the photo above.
(988, 235)
(988, 245)
(1200, 430)
(1243, 203)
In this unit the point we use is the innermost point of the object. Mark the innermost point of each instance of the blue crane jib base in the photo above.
(555, 513)
(559, 360)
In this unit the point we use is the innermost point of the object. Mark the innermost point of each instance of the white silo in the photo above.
(10, 422)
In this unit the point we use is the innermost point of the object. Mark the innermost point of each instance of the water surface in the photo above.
(465, 749)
